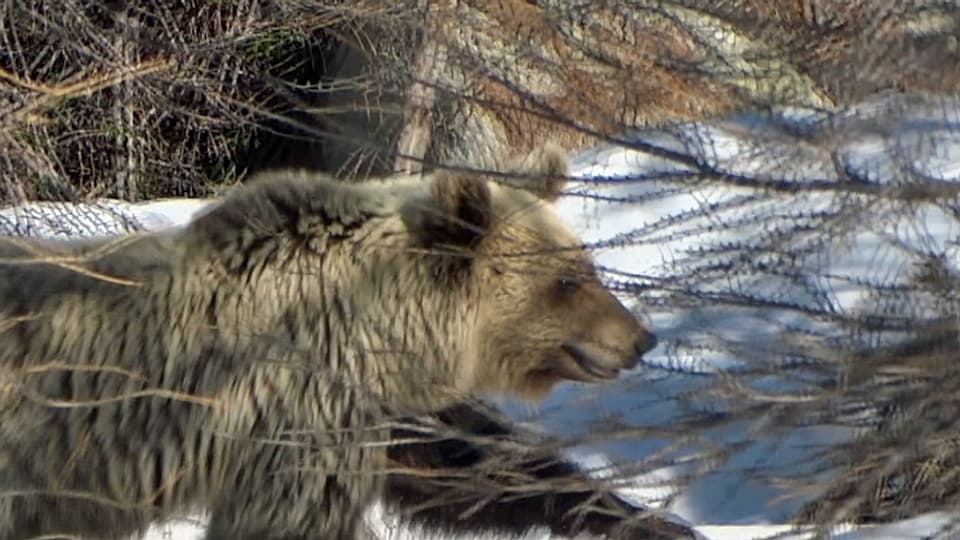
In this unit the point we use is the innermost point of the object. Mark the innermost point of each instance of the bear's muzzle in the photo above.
(591, 361)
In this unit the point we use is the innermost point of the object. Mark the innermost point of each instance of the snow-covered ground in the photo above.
(655, 223)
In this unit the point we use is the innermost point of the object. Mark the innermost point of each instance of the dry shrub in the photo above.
(152, 99)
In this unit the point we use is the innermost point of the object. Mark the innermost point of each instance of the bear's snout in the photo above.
(608, 337)
(645, 343)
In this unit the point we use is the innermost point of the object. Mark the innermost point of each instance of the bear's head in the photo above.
(543, 316)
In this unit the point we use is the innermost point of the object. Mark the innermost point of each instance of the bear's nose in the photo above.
(645, 343)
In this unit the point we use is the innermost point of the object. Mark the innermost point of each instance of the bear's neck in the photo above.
(380, 327)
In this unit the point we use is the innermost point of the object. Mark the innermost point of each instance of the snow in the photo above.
(781, 171)
(102, 217)
(651, 220)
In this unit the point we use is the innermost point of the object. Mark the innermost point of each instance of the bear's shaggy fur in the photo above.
(247, 365)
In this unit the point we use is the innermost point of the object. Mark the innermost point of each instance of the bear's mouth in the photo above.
(589, 366)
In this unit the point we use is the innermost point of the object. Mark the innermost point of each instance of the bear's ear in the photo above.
(464, 203)
(543, 172)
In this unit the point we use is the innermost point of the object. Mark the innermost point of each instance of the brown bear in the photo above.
(248, 365)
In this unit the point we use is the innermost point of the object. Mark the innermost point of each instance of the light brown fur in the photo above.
(245, 364)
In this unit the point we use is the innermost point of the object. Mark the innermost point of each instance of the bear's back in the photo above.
(35, 272)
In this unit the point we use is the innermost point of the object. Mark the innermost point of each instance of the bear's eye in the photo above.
(568, 284)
